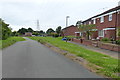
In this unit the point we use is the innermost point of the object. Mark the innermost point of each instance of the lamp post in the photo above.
(67, 20)
(116, 21)
(67, 23)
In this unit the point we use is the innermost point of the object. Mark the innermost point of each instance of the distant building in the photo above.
(28, 34)
(70, 31)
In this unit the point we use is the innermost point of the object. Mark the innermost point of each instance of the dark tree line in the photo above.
(22, 31)
(6, 31)
(56, 33)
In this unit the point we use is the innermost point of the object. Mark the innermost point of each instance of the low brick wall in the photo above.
(108, 46)
(87, 42)
(76, 40)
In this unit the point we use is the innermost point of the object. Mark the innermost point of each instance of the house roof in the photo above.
(108, 11)
(68, 27)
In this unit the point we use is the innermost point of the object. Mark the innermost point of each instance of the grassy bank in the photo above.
(10, 41)
(107, 65)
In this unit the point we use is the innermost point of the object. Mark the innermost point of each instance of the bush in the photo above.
(118, 42)
(78, 37)
(56, 35)
(105, 39)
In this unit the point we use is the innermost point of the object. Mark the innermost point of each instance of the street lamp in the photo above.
(67, 20)
(116, 24)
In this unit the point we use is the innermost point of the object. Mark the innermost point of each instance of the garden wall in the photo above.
(108, 46)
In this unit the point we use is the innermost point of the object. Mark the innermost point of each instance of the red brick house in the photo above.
(106, 23)
(70, 31)
(28, 34)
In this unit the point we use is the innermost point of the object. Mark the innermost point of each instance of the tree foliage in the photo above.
(22, 31)
(29, 30)
(5, 30)
(87, 28)
(49, 31)
(119, 32)
(58, 30)
(14, 33)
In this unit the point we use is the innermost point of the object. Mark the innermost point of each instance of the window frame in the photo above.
(94, 21)
(101, 19)
(101, 33)
(110, 17)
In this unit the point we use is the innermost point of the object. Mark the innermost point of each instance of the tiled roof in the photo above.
(108, 11)
(69, 27)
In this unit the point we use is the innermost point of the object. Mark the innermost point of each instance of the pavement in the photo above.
(100, 50)
(30, 59)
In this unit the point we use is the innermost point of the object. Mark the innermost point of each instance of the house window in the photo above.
(110, 17)
(85, 23)
(94, 21)
(101, 33)
(89, 22)
(102, 19)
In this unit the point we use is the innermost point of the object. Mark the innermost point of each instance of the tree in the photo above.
(22, 31)
(14, 33)
(29, 30)
(36, 33)
(49, 31)
(87, 28)
(58, 30)
(79, 23)
(41, 32)
(6, 31)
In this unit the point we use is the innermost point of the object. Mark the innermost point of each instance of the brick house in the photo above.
(28, 34)
(106, 23)
(70, 31)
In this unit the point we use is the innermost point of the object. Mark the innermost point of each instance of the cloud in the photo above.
(51, 13)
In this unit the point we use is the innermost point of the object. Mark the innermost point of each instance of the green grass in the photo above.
(108, 65)
(10, 41)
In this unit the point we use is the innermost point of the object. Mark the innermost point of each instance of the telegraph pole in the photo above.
(38, 27)
(67, 20)
(67, 23)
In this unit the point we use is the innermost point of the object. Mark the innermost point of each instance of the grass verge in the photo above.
(10, 41)
(107, 65)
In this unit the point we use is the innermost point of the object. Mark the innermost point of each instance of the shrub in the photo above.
(105, 39)
(118, 42)
(56, 35)
(78, 37)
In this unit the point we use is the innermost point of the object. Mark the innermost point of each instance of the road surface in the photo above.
(30, 59)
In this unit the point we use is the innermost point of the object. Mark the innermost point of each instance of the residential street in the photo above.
(30, 59)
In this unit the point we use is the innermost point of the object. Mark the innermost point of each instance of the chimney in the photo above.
(119, 3)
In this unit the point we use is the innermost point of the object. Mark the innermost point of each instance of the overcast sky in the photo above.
(50, 13)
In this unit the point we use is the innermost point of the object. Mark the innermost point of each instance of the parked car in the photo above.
(64, 39)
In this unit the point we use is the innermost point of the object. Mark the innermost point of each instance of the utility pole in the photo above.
(67, 23)
(38, 27)
(67, 20)
(116, 24)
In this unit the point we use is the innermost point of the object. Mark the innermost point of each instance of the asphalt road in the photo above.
(30, 59)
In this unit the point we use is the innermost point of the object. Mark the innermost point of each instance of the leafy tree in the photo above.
(6, 31)
(49, 31)
(36, 33)
(30, 30)
(22, 31)
(87, 28)
(118, 32)
(58, 30)
(14, 33)
(41, 32)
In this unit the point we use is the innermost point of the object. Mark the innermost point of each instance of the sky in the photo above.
(50, 13)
